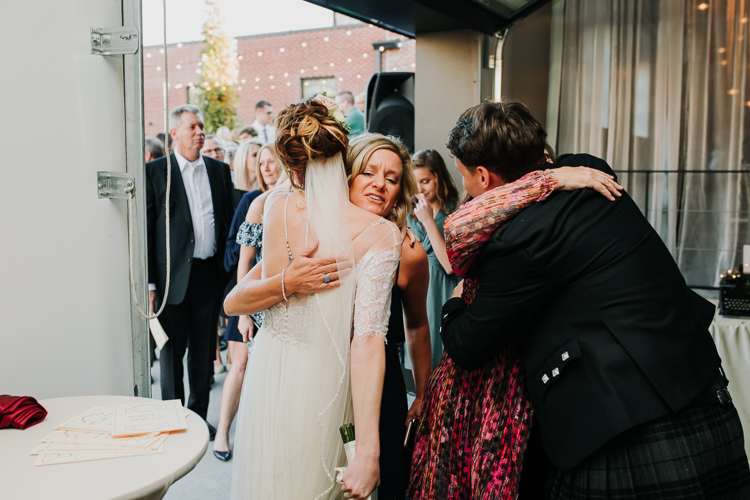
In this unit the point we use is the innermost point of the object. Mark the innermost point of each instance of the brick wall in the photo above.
(273, 67)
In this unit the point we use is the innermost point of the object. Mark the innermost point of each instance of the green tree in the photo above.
(219, 69)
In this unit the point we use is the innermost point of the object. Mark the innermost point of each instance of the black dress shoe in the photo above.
(211, 431)
(224, 456)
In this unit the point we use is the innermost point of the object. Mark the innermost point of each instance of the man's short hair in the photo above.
(503, 137)
(175, 116)
(347, 94)
(262, 104)
(154, 147)
(248, 130)
(216, 138)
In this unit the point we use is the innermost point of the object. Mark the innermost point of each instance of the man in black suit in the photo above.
(200, 209)
(625, 380)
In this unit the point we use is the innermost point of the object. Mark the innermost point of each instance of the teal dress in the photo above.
(441, 284)
(356, 121)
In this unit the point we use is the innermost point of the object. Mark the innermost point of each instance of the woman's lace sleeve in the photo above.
(372, 303)
(250, 235)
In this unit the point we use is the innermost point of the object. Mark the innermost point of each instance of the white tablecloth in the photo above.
(146, 477)
(732, 337)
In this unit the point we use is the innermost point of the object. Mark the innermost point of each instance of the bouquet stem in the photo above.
(347, 436)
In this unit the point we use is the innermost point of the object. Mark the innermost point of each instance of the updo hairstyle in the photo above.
(305, 132)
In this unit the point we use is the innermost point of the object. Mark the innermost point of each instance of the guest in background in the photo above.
(263, 123)
(359, 102)
(230, 149)
(354, 117)
(213, 148)
(200, 216)
(166, 139)
(245, 165)
(437, 198)
(246, 133)
(224, 134)
(267, 170)
(154, 148)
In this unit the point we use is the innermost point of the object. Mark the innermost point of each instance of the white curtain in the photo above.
(659, 89)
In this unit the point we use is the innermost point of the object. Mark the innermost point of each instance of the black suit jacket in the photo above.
(182, 240)
(609, 334)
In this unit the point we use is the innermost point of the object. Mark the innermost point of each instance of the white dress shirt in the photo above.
(266, 133)
(198, 191)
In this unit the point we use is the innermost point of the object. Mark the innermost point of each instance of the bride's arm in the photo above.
(254, 294)
(367, 372)
(371, 312)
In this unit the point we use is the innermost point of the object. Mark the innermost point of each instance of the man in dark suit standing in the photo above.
(626, 383)
(200, 213)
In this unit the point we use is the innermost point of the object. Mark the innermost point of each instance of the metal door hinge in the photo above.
(115, 185)
(114, 41)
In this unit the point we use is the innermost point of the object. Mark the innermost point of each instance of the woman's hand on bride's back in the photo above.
(308, 274)
(362, 476)
(572, 178)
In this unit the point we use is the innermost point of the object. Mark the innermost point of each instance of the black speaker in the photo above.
(390, 106)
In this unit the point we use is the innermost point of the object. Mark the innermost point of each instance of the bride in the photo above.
(318, 360)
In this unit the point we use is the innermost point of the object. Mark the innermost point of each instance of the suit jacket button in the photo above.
(545, 378)
(565, 356)
(190, 259)
(555, 372)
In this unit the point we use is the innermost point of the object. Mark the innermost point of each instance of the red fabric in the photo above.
(20, 412)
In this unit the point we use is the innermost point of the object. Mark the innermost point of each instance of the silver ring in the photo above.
(326, 279)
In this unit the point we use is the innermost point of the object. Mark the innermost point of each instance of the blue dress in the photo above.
(232, 255)
(441, 284)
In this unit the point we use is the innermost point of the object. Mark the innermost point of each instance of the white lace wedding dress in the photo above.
(296, 392)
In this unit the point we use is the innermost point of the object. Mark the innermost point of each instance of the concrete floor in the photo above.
(211, 478)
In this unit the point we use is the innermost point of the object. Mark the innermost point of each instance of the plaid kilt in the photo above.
(697, 453)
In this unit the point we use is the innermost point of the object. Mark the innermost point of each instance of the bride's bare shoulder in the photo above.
(364, 222)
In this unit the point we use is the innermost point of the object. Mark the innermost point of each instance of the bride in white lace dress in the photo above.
(318, 360)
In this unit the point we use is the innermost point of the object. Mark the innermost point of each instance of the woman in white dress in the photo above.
(318, 360)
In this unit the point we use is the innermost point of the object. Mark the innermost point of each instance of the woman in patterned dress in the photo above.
(475, 425)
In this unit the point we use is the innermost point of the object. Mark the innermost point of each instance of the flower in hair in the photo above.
(333, 110)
